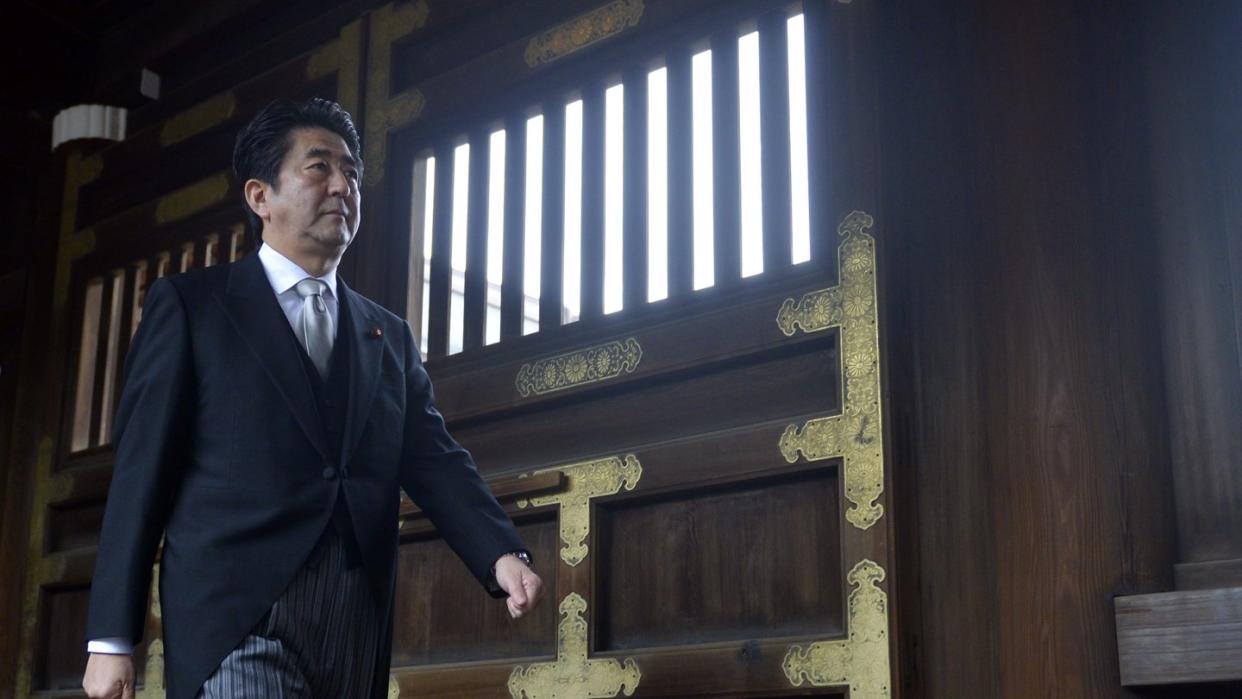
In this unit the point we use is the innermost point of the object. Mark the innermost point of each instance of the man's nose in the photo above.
(338, 183)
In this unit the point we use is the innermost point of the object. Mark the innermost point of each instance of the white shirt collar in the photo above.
(283, 273)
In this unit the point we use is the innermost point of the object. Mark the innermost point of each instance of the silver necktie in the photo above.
(315, 328)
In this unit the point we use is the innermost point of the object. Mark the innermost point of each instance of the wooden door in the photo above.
(700, 476)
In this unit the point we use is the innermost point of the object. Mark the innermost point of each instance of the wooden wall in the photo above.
(1030, 180)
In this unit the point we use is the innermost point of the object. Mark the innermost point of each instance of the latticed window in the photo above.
(646, 183)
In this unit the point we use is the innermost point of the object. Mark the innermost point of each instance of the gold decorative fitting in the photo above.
(197, 119)
(861, 660)
(574, 675)
(578, 368)
(387, 112)
(153, 675)
(856, 435)
(394, 688)
(187, 201)
(581, 32)
(590, 479)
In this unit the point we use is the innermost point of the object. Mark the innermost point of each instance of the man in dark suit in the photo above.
(268, 417)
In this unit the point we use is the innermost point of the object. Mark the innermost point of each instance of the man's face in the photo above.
(316, 207)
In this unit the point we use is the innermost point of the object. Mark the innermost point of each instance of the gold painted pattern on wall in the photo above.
(342, 56)
(861, 660)
(583, 31)
(586, 480)
(574, 675)
(579, 368)
(856, 435)
(386, 112)
(199, 118)
(189, 200)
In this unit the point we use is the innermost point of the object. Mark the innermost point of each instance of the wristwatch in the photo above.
(521, 555)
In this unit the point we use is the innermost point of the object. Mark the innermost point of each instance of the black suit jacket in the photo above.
(220, 447)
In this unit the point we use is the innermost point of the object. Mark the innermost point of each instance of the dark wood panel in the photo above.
(718, 590)
(512, 296)
(774, 136)
(441, 255)
(726, 159)
(680, 173)
(552, 215)
(774, 386)
(74, 527)
(62, 653)
(475, 312)
(442, 615)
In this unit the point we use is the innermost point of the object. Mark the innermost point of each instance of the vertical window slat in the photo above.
(704, 171)
(512, 293)
(634, 167)
(552, 248)
(441, 256)
(750, 163)
(593, 200)
(614, 203)
(88, 352)
(774, 118)
(680, 175)
(108, 318)
(130, 285)
(416, 301)
(476, 242)
(726, 160)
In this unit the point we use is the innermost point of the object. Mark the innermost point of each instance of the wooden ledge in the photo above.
(1180, 637)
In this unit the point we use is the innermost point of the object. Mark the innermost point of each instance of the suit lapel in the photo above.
(251, 306)
(366, 349)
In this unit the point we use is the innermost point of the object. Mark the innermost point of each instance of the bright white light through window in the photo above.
(704, 222)
(428, 218)
(534, 223)
(571, 294)
(614, 152)
(657, 185)
(461, 204)
(799, 188)
(752, 179)
(495, 234)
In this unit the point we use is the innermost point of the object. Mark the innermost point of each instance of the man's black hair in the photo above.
(262, 144)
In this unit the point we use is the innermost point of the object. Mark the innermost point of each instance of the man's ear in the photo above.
(256, 196)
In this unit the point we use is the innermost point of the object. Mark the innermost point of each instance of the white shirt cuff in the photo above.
(115, 645)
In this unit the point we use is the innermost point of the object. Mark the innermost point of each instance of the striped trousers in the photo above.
(318, 641)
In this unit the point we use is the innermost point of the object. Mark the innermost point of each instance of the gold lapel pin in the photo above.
(376, 332)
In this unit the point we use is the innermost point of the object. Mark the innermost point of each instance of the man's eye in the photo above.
(353, 174)
(321, 166)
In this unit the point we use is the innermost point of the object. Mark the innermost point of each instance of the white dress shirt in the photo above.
(283, 274)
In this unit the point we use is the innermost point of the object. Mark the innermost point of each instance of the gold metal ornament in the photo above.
(153, 675)
(586, 480)
(574, 675)
(394, 688)
(386, 112)
(861, 660)
(211, 112)
(856, 435)
(579, 368)
(342, 56)
(189, 200)
(583, 31)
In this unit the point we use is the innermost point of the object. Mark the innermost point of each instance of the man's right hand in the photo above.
(109, 676)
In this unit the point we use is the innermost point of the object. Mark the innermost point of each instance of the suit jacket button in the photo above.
(329, 473)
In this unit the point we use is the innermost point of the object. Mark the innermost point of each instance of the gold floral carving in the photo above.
(386, 112)
(197, 119)
(861, 660)
(856, 435)
(590, 479)
(187, 201)
(585, 366)
(574, 675)
(580, 32)
(153, 675)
